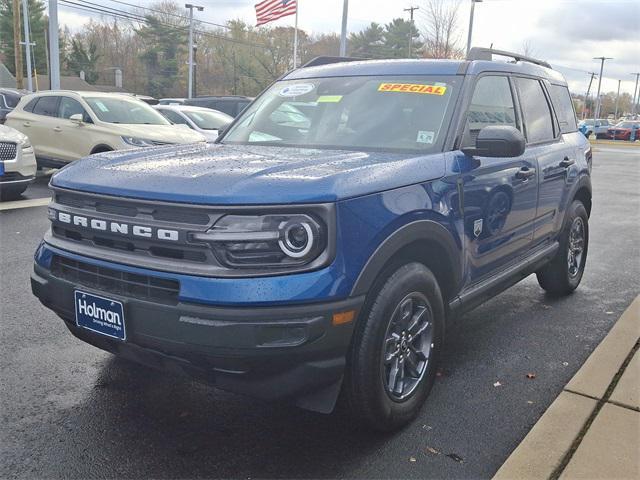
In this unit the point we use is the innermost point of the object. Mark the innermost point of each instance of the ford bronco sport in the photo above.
(323, 243)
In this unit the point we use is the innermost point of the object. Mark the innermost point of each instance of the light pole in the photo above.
(586, 98)
(599, 100)
(54, 48)
(615, 115)
(191, 7)
(343, 33)
(27, 43)
(410, 10)
(635, 94)
(473, 5)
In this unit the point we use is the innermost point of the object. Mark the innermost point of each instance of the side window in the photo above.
(29, 106)
(538, 122)
(563, 106)
(47, 106)
(491, 104)
(174, 117)
(69, 106)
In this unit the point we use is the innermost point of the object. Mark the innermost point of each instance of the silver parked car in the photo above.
(206, 121)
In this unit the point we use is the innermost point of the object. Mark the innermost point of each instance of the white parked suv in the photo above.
(207, 121)
(65, 125)
(17, 163)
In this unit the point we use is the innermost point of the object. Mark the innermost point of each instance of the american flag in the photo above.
(269, 10)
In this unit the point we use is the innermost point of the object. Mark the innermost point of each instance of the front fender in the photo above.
(410, 233)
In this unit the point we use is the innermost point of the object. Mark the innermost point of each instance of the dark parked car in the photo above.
(231, 105)
(325, 241)
(9, 98)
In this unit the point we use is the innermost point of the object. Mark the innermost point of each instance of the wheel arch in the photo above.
(100, 148)
(425, 241)
(583, 193)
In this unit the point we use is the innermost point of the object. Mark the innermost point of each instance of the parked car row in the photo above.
(53, 128)
(604, 128)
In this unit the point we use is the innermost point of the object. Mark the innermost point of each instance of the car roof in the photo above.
(82, 93)
(423, 67)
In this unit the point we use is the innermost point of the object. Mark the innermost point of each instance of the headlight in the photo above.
(137, 142)
(250, 241)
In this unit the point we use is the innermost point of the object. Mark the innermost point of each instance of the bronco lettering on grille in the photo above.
(121, 228)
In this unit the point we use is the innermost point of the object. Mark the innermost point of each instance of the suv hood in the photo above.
(218, 174)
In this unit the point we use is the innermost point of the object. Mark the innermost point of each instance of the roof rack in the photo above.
(315, 62)
(478, 53)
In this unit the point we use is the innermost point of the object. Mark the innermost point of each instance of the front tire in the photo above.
(396, 344)
(563, 274)
(11, 193)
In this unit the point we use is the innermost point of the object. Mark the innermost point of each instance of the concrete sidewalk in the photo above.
(592, 430)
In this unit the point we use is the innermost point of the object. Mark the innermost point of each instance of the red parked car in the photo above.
(622, 131)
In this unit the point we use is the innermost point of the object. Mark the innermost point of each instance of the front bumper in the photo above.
(292, 353)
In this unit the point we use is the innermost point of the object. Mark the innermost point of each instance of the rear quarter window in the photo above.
(47, 106)
(563, 106)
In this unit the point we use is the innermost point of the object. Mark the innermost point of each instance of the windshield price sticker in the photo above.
(412, 88)
(296, 89)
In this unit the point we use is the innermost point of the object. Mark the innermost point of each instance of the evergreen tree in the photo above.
(37, 34)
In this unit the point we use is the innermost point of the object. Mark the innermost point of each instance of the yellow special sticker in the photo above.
(412, 88)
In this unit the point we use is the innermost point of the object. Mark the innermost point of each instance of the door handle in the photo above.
(26, 124)
(567, 162)
(57, 129)
(525, 173)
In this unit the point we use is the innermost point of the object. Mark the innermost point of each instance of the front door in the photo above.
(500, 194)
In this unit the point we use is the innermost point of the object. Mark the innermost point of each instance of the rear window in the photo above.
(11, 100)
(47, 106)
(538, 121)
(563, 106)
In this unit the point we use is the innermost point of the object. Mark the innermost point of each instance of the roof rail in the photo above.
(315, 62)
(478, 53)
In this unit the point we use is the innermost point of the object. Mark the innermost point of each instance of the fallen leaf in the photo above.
(433, 450)
(497, 384)
(609, 313)
(455, 457)
(412, 459)
(531, 376)
(529, 402)
(427, 427)
(566, 364)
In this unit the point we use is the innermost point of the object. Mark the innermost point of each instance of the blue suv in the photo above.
(321, 246)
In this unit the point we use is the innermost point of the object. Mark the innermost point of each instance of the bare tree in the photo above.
(528, 49)
(440, 29)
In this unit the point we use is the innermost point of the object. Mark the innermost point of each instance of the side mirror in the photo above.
(497, 141)
(76, 118)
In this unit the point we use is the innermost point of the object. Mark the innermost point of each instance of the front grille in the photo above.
(8, 150)
(104, 279)
(183, 218)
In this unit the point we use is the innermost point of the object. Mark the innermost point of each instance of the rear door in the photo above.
(40, 124)
(555, 155)
(500, 194)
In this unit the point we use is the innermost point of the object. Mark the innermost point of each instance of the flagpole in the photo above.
(295, 39)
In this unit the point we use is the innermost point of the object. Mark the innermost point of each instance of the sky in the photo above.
(566, 33)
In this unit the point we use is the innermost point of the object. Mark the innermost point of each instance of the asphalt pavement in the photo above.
(70, 410)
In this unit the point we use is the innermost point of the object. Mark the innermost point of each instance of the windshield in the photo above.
(208, 120)
(364, 113)
(124, 110)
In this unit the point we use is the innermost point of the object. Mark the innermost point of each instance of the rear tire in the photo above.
(395, 348)
(563, 274)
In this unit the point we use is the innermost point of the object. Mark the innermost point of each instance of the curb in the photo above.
(561, 442)
(618, 143)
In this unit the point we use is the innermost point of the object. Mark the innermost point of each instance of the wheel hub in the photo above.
(407, 346)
